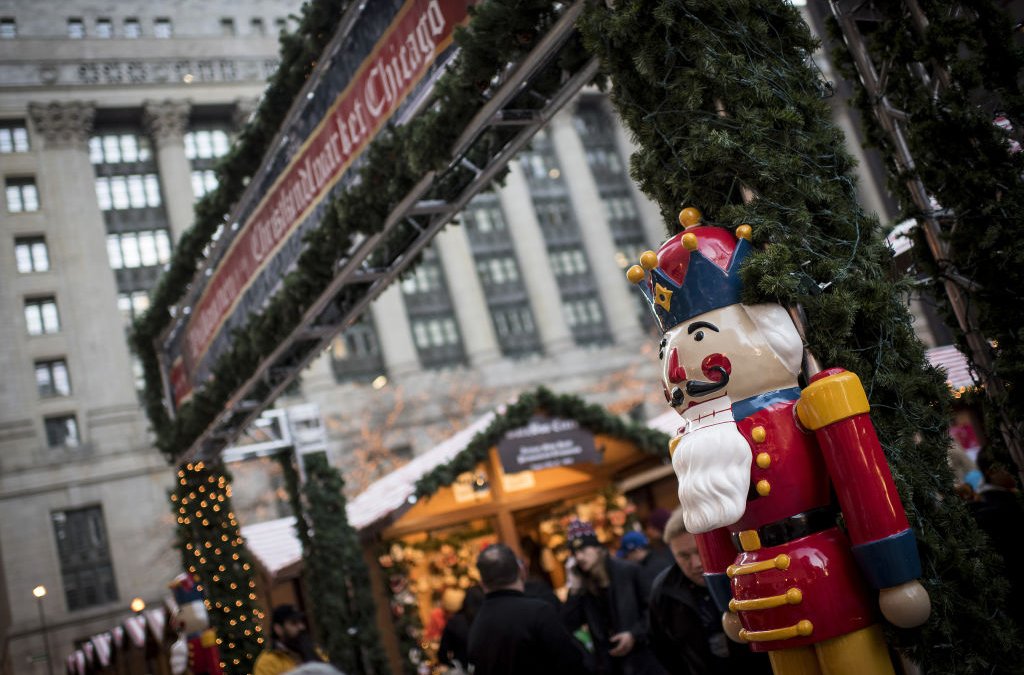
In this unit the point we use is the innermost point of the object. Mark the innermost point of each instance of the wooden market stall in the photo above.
(516, 476)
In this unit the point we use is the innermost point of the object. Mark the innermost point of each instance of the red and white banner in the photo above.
(419, 32)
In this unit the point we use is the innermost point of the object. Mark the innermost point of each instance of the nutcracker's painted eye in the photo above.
(698, 336)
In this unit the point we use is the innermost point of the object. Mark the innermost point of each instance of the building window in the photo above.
(119, 149)
(132, 304)
(61, 431)
(147, 248)
(583, 312)
(435, 332)
(41, 316)
(31, 254)
(499, 270)
(227, 27)
(13, 137)
(355, 353)
(86, 569)
(568, 262)
(280, 23)
(203, 182)
(52, 378)
(132, 28)
(8, 28)
(22, 195)
(425, 278)
(257, 27)
(104, 28)
(128, 192)
(162, 27)
(206, 144)
(76, 28)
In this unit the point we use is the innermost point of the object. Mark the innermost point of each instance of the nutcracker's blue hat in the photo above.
(695, 271)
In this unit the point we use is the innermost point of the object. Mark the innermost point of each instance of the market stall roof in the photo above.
(953, 361)
(275, 544)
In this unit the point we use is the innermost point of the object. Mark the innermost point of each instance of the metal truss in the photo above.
(375, 261)
(851, 15)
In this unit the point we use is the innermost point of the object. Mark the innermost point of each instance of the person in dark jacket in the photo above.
(513, 634)
(610, 597)
(454, 647)
(685, 626)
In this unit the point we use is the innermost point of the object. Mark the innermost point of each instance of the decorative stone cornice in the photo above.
(63, 125)
(166, 121)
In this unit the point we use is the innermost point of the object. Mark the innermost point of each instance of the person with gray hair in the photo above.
(513, 634)
(685, 626)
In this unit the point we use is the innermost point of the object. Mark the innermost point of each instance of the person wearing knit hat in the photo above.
(635, 547)
(609, 596)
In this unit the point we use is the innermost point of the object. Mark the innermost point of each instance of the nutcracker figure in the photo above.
(759, 460)
(193, 620)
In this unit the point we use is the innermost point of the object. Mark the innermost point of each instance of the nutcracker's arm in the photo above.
(717, 552)
(835, 407)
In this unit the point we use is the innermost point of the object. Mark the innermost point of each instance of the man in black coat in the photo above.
(513, 634)
(686, 627)
(610, 597)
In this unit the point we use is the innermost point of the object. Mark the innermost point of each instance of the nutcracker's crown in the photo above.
(694, 272)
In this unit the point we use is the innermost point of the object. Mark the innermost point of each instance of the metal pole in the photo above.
(887, 116)
(46, 636)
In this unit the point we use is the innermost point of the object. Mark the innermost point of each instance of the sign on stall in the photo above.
(546, 442)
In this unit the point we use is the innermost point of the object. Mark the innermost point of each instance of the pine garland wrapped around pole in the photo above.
(676, 65)
(213, 552)
(337, 574)
(955, 142)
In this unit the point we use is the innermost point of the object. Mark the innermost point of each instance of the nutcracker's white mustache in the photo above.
(713, 467)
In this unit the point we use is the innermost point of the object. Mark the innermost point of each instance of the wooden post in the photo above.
(381, 600)
(506, 524)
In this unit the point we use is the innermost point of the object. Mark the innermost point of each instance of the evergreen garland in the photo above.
(337, 574)
(593, 417)
(499, 32)
(677, 66)
(965, 161)
(214, 554)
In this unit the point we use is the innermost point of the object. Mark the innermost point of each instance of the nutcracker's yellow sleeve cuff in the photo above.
(831, 399)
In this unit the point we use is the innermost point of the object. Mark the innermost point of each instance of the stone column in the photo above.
(86, 290)
(532, 254)
(167, 122)
(467, 295)
(650, 215)
(609, 278)
(394, 332)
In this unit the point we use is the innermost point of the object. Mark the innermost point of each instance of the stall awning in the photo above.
(274, 543)
(952, 360)
(393, 491)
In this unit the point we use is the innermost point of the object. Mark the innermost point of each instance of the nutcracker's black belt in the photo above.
(793, 527)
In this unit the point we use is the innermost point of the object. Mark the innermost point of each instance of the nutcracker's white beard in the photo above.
(712, 464)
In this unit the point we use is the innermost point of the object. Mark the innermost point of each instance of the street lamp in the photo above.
(137, 605)
(40, 593)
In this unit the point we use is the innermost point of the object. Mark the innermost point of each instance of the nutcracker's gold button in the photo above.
(749, 540)
(758, 434)
(763, 488)
(764, 460)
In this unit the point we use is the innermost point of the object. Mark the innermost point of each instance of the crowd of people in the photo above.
(644, 610)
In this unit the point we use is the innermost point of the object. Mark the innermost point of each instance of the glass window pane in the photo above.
(119, 192)
(219, 141)
(143, 148)
(71, 432)
(152, 190)
(44, 382)
(136, 192)
(204, 144)
(104, 29)
(30, 197)
(33, 319)
(103, 194)
(61, 381)
(14, 199)
(130, 249)
(96, 150)
(20, 139)
(198, 187)
(163, 246)
(129, 148)
(6, 140)
(40, 256)
(23, 256)
(147, 249)
(111, 150)
(51, 322)
(190, 145)
(140, 303)
(114, 252)
(124, 304)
